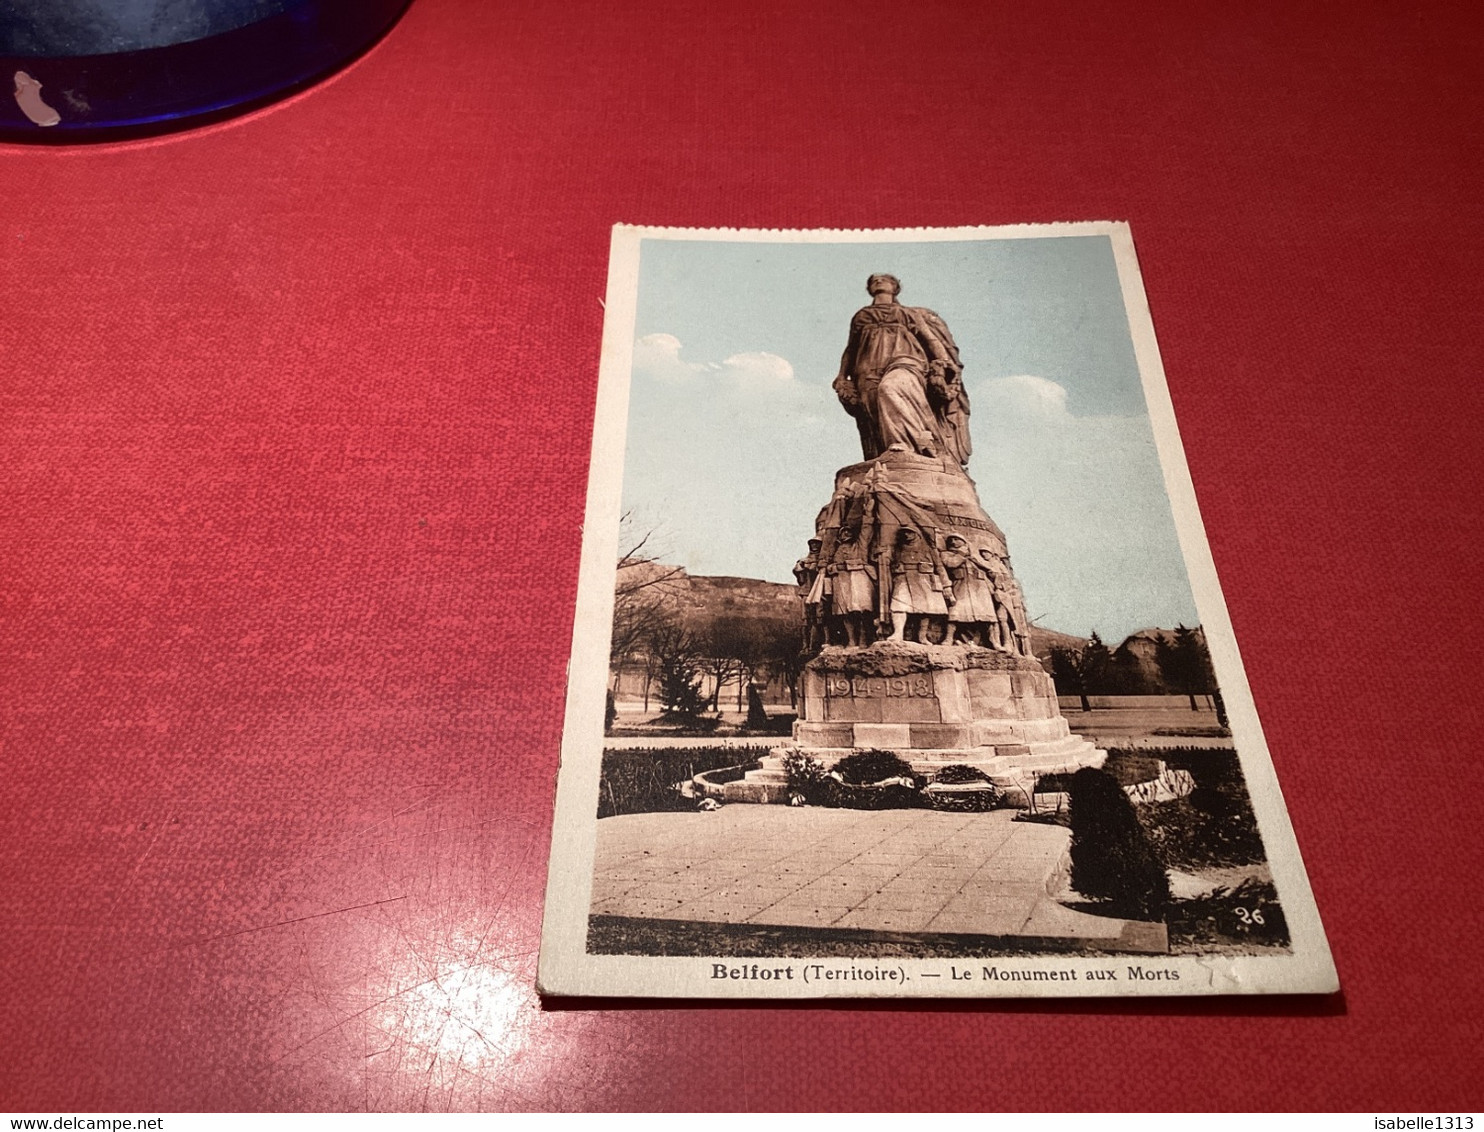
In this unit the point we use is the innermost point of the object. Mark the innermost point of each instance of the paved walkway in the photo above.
(889, 871)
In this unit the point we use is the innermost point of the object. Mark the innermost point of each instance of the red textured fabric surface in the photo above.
(294, 428)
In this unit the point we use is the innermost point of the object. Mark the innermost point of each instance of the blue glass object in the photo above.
(93, 69)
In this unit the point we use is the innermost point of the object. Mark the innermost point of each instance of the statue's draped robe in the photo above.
(887, 360)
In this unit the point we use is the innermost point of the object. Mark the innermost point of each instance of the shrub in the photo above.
(1112, 859)
(644, 781)
(968, 802)
(805, 775)
(983, 797)
(1214, 825)
(808, 778)
(1249, 913)
(846, 796)
(873, 766)
(680, 690)
(1189, 837)
(955, 773)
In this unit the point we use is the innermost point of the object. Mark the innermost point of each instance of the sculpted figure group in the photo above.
(913, 586)
(886, 565)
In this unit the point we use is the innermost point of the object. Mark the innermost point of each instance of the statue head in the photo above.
(958, 543)
(906, 536)
(888, 283)
(815, 544)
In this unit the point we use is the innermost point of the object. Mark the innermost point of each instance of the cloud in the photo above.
(757, 365)
(657, 356)
(1026, 394)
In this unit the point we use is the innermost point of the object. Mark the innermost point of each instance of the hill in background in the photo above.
(703, 601)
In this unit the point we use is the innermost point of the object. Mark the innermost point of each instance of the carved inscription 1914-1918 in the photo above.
(867, 687)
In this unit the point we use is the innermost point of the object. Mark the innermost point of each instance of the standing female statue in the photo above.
(901, 379)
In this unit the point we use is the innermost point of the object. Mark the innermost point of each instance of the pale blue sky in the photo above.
(735, 434)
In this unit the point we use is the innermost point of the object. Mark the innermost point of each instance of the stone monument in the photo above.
(917, 625)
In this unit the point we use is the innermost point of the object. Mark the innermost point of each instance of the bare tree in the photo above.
(736, 650)
(644, 599)
(720, 667)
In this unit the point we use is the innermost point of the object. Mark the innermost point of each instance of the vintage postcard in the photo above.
(900, 664)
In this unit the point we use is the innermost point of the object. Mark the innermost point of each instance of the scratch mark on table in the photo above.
(286, 923)
(341, 1023)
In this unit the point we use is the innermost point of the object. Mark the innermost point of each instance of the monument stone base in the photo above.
(932, 706)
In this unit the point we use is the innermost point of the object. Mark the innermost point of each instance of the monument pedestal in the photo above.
(933, 706)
